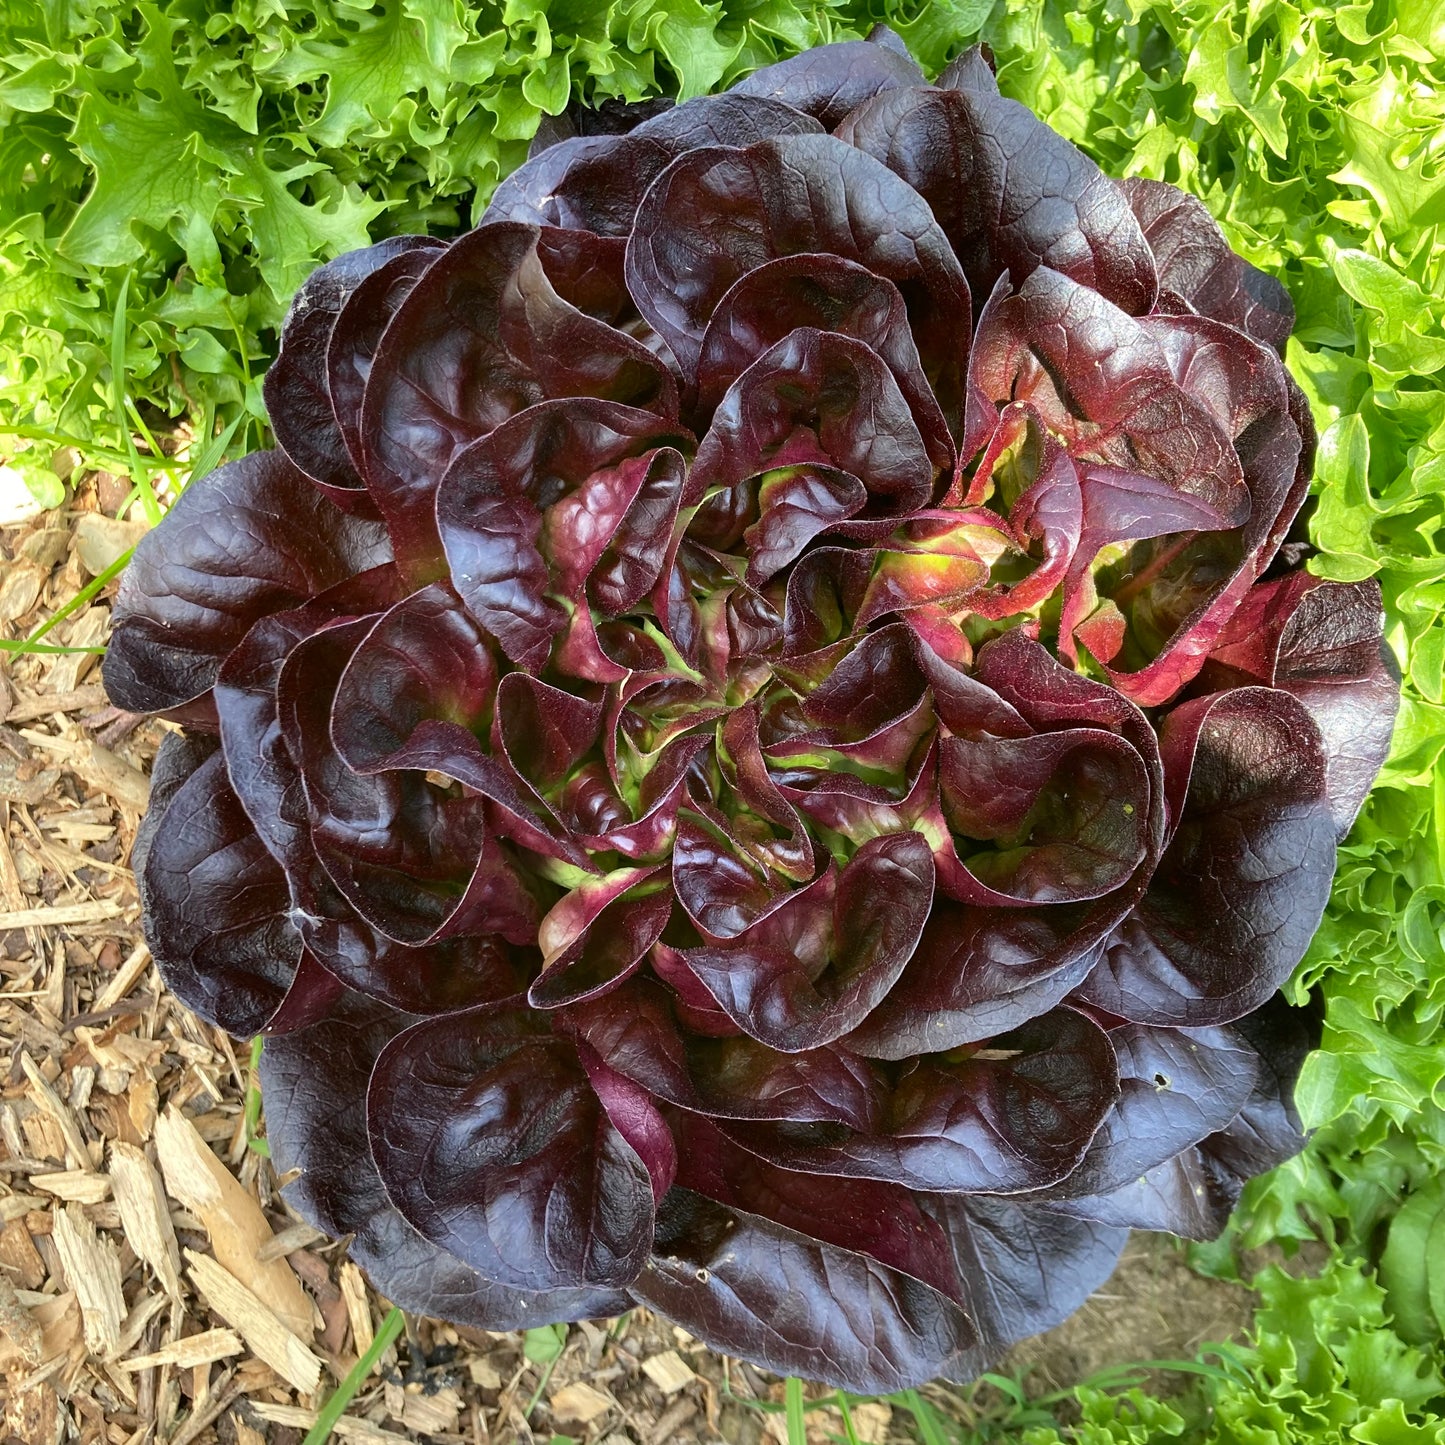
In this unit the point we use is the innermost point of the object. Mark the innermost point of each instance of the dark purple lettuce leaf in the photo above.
(1101, 380)
(489, 329)
(812, 969)
(356, 333)
(818, 398)
(598, 936)
(1016, 1115)
(1010, 193)
(252, 538)
(644, 1031)
(414, 860)
(507, 540)
(1241, 887)
(1323, 643)
(491, 1140)
(831, 80)
(314, 1084)
(1194, 1192)
(716, 214)
(972, 70)
(1020, 1267)
(751, 1287)
(215, 904)
(829, 294)
(296, 389)
(596, 183)
(1196, 264)
(1177, 1087)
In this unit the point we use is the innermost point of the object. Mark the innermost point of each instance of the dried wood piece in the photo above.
(19, 1324)
(348, 1427)
(92, 1269)
(26, 708)
(60, 1325)
(61, 915)
(290, 1239)
(147, 1308)
(358, 1308)
(668, 1372)
(112, 775)
(268, 1338)
(79, 1186)
(581, 1402)
(197, 1180)
(144, 1216)
(126, 977)
(49, 1102)
(432, 1415)
(186, 1354)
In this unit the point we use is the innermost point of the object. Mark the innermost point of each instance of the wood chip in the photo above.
(79, 1186)
(290, 1239)
(186, 1354)
(579, 1401)
(668, 1372)
(114, 776)
(27, 709)
(60, 1325)
(126, 978)
(19, 1324)
(61, 915)
(268, 1338)
(144, 1215)
(92, 1269)
(358, 1309)
(49, 1102)
(197, 1180)
(348, 1427)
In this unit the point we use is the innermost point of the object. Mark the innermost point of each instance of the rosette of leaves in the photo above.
(755, 743)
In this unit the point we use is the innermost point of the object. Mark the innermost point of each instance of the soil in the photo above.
(138, 1304)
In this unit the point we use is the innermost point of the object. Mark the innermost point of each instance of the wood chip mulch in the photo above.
(154, 1285)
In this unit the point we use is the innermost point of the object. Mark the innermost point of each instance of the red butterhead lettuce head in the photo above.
(752, 743)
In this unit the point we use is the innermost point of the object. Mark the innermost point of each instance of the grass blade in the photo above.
(345, 1392)
(139, 477)
(793, 1405)
(930, 1427)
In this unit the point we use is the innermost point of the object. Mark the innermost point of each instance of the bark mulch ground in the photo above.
(154, 1285)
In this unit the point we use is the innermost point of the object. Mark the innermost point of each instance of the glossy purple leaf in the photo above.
(819, 398)
(512, 338)
(1010, 193)
(1194, 1192)
(357, 332)
(1322, 642)
(1196, 264)
(314, 1084)
(493, 506)
(716, 214)
(297, 390)
(598, 935)
(1241, 887)
(252, 538)
(1102, 381)
(217, 904)
(949, 1122)
(826, 293)
(491, 1141)
(596, 183)
(831, 80)
(812, 969)
(753, 1288)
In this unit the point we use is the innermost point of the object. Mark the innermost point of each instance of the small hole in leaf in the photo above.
(703, 1276)
(1161, 1080)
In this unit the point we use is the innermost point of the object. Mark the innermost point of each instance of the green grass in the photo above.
(170, 170)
